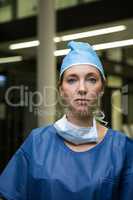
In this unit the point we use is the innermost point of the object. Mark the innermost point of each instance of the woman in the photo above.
(75, 158)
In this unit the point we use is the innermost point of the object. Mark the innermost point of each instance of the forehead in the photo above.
(82, 70)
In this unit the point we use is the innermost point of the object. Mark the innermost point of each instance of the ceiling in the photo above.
(31, 53)
(76, 19)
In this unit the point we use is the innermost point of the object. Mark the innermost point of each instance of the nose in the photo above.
(82, 88)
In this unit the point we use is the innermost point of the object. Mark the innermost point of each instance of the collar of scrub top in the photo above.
(81, 53)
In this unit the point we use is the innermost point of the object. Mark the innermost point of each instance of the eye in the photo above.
(92, 80)
(71, 80)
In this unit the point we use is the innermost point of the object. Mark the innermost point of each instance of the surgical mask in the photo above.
(75, 134)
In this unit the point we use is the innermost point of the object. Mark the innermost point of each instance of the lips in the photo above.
(84, 100)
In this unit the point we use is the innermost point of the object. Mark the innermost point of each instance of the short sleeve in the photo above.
(126, 185)
(14, 179)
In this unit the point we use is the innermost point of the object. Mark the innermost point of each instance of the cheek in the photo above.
(95, 92)
(67, 91)
(65, 94)
(99, 87)
(68, 96)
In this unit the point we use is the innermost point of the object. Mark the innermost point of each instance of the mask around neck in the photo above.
(75, 134)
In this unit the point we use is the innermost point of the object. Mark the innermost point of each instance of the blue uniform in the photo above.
(44, 168)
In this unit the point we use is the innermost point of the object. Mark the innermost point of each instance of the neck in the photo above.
(83, 121)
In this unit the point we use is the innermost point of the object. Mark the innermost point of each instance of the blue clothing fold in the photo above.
(45, 168)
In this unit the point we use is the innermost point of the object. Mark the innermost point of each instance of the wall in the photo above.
(5, 13)
(27, 8)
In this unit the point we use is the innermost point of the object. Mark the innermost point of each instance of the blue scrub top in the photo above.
(44, 168)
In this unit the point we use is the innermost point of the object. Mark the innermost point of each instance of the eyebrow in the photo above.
(88, 74)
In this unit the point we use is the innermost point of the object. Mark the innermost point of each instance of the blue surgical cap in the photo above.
(81, 53)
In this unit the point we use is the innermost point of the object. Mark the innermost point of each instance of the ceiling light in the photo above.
(61, 52)
(57, 39)
(101, 46)
(90, 33)
(114, 44)
(24, 45)
(11, 59)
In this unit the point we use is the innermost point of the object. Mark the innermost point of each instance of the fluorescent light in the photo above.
(61, 52)
(115, 44)
(101, 46)
(10, 59)
(57, 39)
(90, 33)
(24, 45)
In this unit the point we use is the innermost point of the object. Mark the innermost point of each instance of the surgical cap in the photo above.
(81, 53)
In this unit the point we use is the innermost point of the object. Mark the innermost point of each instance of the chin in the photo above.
(82, 112)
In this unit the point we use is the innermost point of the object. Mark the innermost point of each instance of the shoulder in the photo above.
(121, 138)
(40, 132)
(123, 146)
(129, 147)
(114, 134)
(118, 134)
(38, 137)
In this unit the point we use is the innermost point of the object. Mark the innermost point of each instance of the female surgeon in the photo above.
(75, 158)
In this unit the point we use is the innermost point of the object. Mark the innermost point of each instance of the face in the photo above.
(81, 85)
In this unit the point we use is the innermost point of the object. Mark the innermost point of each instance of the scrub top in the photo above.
(44, 168)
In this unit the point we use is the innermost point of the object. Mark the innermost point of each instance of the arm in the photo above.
(126, 189)
(15, 176)
(126, 184)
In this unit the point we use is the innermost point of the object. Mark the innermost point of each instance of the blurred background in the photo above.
(33, 38)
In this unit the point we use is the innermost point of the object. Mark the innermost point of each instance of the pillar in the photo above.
(46, 70)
